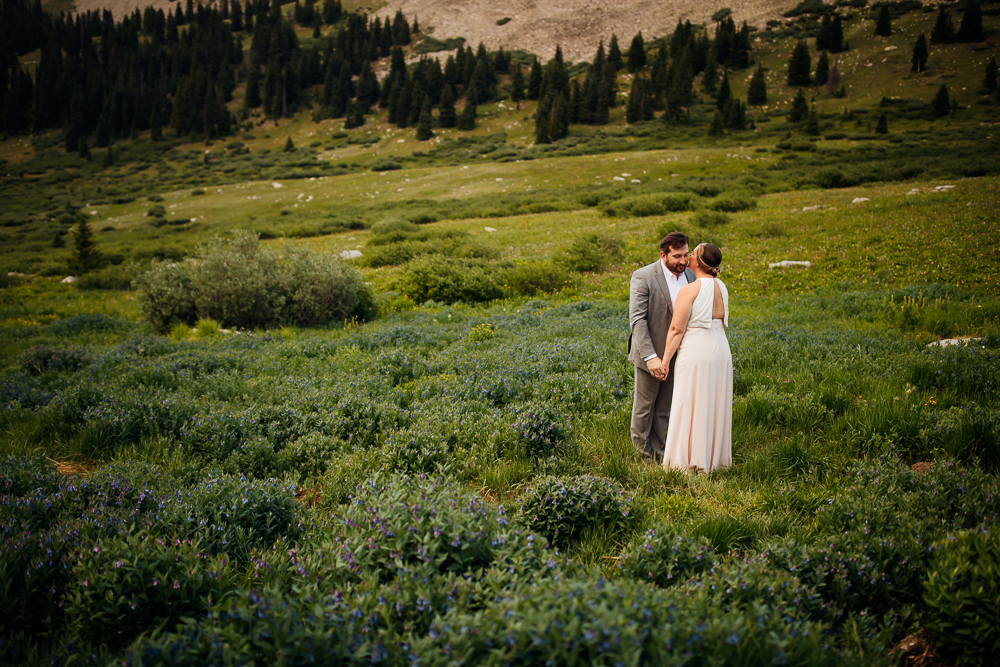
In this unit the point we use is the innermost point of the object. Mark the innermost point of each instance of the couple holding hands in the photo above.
(682, 409)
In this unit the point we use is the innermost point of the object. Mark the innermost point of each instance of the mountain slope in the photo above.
(576, 25)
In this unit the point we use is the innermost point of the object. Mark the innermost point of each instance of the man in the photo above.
(652, 294)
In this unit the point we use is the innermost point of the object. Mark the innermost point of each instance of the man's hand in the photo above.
(657, 368)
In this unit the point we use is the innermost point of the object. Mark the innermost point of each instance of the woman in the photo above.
(700, 434)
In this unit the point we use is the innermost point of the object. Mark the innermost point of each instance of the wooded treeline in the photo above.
(105, 79)
(663, 78)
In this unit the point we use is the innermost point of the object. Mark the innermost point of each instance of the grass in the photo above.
(832, 367)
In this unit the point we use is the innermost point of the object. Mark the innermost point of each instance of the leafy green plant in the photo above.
(41, 358)
(123, 587)
(561, 509)
(206, 328)
(542, 429)
(962, 596)
(664, 558)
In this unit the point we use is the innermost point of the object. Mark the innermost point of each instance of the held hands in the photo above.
(658, 369)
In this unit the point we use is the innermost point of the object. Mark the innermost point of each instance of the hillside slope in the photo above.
(537, 27)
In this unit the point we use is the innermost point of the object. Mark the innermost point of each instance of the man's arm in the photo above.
(638, 312)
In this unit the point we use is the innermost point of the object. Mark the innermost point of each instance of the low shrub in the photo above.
(664, 558)
(233, 515)
(593, 252)
(535, 278)
(653, 204)
(542, 430)
(42, 358)
(731, 202)
(962, 596)
(122, 587)
(562, 509)
(707, 218)
(449, 280)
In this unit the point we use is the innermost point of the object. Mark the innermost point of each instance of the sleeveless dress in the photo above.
(700, 433)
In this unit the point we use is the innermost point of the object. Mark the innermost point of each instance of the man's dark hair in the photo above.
(672, 241)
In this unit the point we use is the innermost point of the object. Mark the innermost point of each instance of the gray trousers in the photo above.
(651, 412)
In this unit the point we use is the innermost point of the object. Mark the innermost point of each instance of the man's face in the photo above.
(676, 260)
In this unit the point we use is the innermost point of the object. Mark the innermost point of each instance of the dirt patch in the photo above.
(576, 25)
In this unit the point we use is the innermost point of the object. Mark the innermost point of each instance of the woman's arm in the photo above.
(679, 323)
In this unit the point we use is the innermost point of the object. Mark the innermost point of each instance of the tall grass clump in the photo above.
(240, 283)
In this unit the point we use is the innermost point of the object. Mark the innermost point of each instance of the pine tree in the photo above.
(822, 70)
(84, 149)
(883, 25)
(812, 123)
(559, 125)
(710, 79)
(757, 93)
(353, 116)
(725, 92)
(86, 257)
(800, 65)
(883, 125)
(990, 79)
(799, 109)
(424, 131)
(517, 87)
(289, 145)
(971, 29)
(835, 44)
(944, 31)
(918, 62)
(156, 122)
(542, 121)
(716, 129)
(637, 54)
(615, 53)
(735, 115)
(535, 80)
(636, 100)
(941, 106)
(104, 130)
(467, 121)
(447, 116)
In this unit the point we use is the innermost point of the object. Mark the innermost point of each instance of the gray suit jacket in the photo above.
(649, 312)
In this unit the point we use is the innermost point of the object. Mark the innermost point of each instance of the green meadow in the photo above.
(442, 473)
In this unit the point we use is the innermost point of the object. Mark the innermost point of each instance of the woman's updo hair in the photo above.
(709, 257)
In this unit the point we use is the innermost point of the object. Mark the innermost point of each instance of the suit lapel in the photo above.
(661, 284)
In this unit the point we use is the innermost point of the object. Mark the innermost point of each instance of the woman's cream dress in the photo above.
(700, 433)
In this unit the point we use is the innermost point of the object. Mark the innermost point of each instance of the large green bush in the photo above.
(593, 252)
(240, 283)
(534, 278)
(962, 596)
(449, 280)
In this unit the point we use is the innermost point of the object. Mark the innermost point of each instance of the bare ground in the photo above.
(576, 25)
(536, 26)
